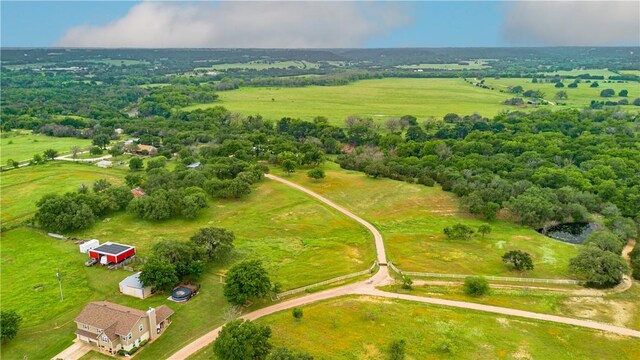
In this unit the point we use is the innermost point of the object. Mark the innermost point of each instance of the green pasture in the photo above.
(472, 65)
(575, 72)
(630, 72)
(578, 97)
(262, 65)
(22, 188)
(363, 327)
(118, 62)
(411, 218)
(622, 309)
(378, 99)
(21, 145)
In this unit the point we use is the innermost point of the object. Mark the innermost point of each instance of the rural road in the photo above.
(368, 288)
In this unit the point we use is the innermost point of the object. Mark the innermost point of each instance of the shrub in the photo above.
(121, 352)
(476, 286)
(144, 342)
(133, 350)
(397, 350)
(407, 282)
(458, 232)
(519, 259)
(297, 313)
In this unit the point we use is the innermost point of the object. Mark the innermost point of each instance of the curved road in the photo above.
(368, 287)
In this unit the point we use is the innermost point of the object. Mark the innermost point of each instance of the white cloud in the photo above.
(573, 23)
(243, 24)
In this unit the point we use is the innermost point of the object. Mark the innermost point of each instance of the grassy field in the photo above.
(622, 309)
(578, 97)
(454, 66)
(411, 219)
(22, 145)
(630, 72)
(262, 65)
(363, 328)
(22, 188)
(575, 72)
(379, 99)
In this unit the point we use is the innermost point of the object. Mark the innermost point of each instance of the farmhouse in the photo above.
(145, 150)
(132, 286)
(110, 252)
(112, 327)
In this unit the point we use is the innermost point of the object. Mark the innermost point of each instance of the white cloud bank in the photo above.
(578, 23)
(242, 25)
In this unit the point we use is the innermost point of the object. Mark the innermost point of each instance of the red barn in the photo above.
(112, 253)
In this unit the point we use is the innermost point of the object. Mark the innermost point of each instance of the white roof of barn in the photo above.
(133, 281)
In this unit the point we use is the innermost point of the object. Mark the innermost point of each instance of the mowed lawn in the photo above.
(22, 188)
(577, 97)
(363, 328)
(412, 217)
(379, 99)
(22, 145)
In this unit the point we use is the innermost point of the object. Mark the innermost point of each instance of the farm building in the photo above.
(132, 286)
(104, 164)
(195, 165)
(145, 150)
(137, 192)
(109, 252)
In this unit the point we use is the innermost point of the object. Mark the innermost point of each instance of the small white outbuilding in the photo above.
(104, 164)
(132, 286)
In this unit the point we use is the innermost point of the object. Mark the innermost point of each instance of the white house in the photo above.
(132, 286)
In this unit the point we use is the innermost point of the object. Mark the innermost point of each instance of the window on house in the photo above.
(105, 339)
(141, 328)
(85, 326)
(129, 336)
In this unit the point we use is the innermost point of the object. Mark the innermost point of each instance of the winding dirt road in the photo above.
(368, 288)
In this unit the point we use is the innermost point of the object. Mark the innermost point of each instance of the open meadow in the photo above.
(22, 188)
(411, 218)
(262, 65)
(328, 331)
(21, 145)
(378, 99)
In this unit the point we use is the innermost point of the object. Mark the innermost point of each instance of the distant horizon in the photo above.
(317, 48)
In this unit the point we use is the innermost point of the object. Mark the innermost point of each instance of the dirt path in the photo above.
(627, 249)
(368, 288)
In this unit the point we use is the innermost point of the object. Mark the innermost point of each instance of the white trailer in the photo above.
(89, 245)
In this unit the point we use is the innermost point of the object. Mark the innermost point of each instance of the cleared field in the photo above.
(630, 72)
(578, 97)
(379, 99)
(363, 328)
(622, 309)
(254, 65)
(453, 66)
(22, 145)
(411, 218)
(22, 188)
(575, 72)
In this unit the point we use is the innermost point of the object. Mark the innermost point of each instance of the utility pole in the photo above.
(60, 284)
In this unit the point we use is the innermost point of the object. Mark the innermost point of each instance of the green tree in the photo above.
(476, 286)
(119, 197)
(484, 229)
(559, 84)
(133, 180)
(62, 213)
(607, 93)
(37, 159)
(376, 169)
(535, 206)
(316, 173)
(156, 163)
(573, 85)
(561, 95)
(116, 150)
(516, 89)
(282, 353)
(519, 259)
(246, 279)
(623, 93)
(594, 84)
(407, 283)
(75, 150)
(239, 188)
(12, 163)
(297, 313)
(136, 163)
(101, 140)
(9, 324)
(600, 268)
(158, 273)
(397, 350)
(101, 185)
(288, 165)
(242, 340)
(458, 232)
(50, 154)
(605, 240)
(216, 242)
(95, 151)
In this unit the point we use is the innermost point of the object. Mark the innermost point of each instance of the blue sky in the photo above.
(329, 24)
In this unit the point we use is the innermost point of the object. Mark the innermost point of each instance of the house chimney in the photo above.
(153, 332)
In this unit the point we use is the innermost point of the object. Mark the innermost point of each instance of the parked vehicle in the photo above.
(91, 262)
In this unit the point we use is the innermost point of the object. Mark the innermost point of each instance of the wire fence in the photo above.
(491, 278)
(326, 282)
